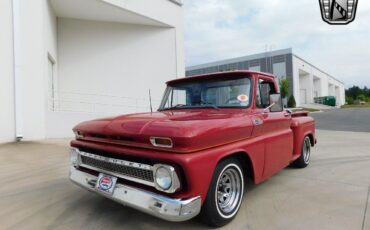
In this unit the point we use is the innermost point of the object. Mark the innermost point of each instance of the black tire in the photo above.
(225, 194)
(304, 159)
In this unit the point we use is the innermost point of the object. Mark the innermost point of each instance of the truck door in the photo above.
(273, 127)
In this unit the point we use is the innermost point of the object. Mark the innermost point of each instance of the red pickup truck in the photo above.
(194, 155)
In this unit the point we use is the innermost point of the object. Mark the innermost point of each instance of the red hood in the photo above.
(190, 130)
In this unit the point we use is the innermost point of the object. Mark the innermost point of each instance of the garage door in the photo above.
(303, 96)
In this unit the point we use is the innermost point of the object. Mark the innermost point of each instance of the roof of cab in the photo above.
(218, 75)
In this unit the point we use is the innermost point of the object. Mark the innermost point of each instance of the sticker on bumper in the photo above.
(106, 183)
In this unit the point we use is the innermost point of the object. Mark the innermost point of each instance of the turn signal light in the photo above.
(78, 134)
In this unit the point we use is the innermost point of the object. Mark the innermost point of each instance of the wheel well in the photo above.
(311, 139)
(246, 162)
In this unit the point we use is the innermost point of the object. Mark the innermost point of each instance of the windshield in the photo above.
(216, 93)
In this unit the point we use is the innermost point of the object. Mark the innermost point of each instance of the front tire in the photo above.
(304, 160)
(225, 194)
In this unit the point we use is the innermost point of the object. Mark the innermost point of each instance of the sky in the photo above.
(222, 29)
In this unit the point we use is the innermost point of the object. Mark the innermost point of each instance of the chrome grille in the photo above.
(141, 173)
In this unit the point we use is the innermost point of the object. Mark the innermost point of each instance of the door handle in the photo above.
(286, 114)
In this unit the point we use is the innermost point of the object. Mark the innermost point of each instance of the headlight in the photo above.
(165, 178)
(74, 157)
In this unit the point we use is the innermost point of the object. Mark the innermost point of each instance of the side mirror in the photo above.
(276, 103)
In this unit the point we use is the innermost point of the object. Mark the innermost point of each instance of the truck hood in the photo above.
(190, 130)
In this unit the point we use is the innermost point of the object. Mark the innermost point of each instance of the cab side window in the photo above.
(264, 89)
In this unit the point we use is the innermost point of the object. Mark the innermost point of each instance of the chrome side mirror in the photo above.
(276, 103)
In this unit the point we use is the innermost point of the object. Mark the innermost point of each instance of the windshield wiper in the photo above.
(208, 104)
(175, 107)
(203, 105)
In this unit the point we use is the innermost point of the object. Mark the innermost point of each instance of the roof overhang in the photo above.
(101, 10)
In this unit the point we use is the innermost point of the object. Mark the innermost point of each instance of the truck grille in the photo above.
(137, 172)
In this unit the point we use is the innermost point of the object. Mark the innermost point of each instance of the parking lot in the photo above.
(332, 193)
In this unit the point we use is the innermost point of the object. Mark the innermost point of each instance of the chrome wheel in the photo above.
(229, 190)
(304, 159)
(225, 193)
(306, 151)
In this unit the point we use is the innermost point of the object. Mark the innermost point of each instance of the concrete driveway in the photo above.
(332, 193)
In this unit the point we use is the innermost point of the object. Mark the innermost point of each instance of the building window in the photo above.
(279, 69)
(255, 68)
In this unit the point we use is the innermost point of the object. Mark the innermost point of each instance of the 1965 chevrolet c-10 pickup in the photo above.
(194, 155)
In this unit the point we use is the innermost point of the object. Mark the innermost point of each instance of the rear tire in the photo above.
(225, 194)
(304, 160)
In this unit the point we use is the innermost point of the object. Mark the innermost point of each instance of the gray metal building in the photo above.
(306, 80)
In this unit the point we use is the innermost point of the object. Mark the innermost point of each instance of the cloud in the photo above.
(219, 29)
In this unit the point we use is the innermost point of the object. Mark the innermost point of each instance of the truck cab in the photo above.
(194, 155)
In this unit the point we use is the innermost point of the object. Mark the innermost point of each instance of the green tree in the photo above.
(349, 100)
(354, 92)
(362, 97)
(291, 102)
(366, 91)
(357, 93)
(284, 87)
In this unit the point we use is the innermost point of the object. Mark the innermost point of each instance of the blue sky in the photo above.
(220, 29)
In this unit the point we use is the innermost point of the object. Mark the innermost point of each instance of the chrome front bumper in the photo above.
(157, 205)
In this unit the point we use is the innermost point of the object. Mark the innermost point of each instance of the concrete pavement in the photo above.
(332, 193)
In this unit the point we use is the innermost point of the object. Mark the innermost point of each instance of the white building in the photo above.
(65, 61)
(306, 80)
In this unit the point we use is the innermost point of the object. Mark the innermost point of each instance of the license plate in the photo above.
(106, 183)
